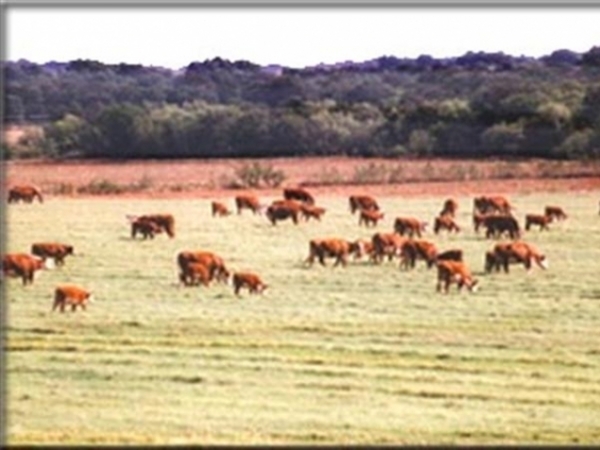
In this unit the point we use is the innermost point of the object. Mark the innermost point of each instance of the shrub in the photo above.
(371, 174)
(256, 174)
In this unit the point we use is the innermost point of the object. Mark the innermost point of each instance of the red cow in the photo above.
(358, 202)
(336, 248)
(249, 280)
(299, 194)
(70, 295)
(454, 272)
(58, 252)
(247, 201)
(409, 225)
(26, 193)
(22, 265)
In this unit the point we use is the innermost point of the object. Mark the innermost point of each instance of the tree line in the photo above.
(477, 105)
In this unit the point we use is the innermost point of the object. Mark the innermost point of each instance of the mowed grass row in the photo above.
(361, 354)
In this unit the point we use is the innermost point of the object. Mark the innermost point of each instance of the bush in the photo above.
(256, 174)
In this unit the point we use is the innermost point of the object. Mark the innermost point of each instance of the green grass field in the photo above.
(364, 354)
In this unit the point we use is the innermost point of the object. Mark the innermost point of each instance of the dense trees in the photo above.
(476, 105)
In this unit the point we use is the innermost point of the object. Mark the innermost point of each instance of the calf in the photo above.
(537, 219)
(336, 248)
(164, 222)
(409, 225)
(70, 295)
(22, 265)
(309, 211)
(197, 273)
(249, 280)
(369, 217)
(219, 209)
(58, 252)
(449, 272)
(555, 212)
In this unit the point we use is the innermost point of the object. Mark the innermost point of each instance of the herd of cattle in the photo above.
(405, 242)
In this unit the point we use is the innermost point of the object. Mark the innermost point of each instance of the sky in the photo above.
(173, 37)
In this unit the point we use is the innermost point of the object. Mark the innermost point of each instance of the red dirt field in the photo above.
(337, 176)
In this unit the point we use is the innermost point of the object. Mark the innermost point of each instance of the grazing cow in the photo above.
(450, 207)
(358, 202)
(313, 211)
(445, 222)
(555, 212)
(284, 209)
(247, 201)
(219, 209)
(369, 217)
(386, 244)
(518, 252)
(336, 248)
(542, 220)
(58, 252)
(147, 228)
(22, 265)
(70, 295)
(497, 225)
(165, 222)
(299, 194)
(454, 272)
(454, 254)
(497, 204)
(409, 225)
(249, 280)
(213, 262)
(26, 193)
(417, 249)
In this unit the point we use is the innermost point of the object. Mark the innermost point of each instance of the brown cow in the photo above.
(70, 295)
(26, 193)
(386, 244)
(299, 194)
(146, 227)
(445, 222)
(555, 212)
(247, 201)
(409, 225)
(417, 249)
(497, 225)
(518, 252)
(313, 211)
(213, 262)
(284, 209)
(336, 248)
(454, 272)
(541, 220)
(22, 265)
(219, 209)
(58, 252)
(485, 205)
(454, 254)
(450, 207)
(369, 217)
(165, 222)
(358, 202)
(249, 280)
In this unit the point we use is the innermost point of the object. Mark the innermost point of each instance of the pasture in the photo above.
(365, 354)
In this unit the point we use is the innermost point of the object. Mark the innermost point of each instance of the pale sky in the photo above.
(173, 37)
